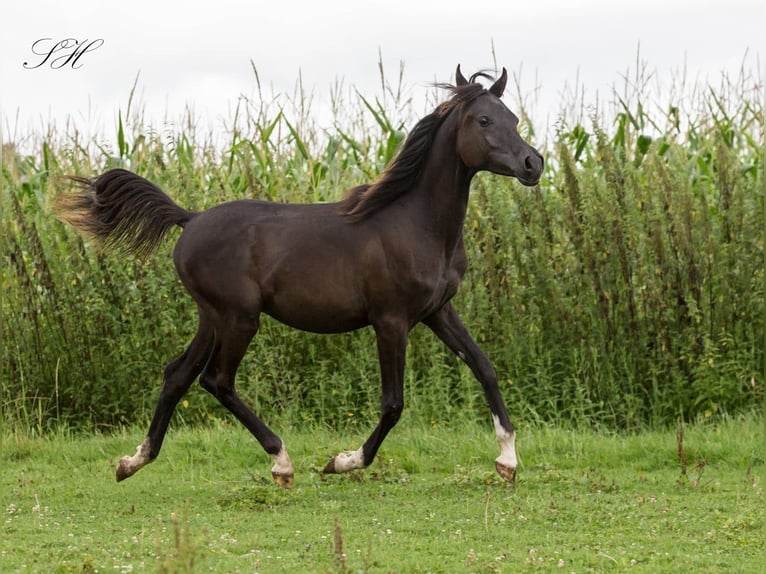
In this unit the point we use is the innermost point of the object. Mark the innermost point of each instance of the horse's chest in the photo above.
(419, 281)
(438, 287)
(449, 284)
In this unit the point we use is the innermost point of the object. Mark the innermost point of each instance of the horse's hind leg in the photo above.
(179, 375)
(232, 339)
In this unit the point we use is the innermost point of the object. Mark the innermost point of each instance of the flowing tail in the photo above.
(122, 211)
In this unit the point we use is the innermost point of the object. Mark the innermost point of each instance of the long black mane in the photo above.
(403, 172)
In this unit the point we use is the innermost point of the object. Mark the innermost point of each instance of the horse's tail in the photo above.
(121, 210)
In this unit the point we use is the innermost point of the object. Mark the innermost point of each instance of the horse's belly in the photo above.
(308, 314)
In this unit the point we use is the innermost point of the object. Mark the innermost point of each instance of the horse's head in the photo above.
(488, 138)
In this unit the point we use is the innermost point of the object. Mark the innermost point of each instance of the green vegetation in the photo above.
(585, 502)
(626, 290)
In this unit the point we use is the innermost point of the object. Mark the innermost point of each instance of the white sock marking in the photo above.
(131, 464)
(507, 443)
(283, 466)
(346, 461)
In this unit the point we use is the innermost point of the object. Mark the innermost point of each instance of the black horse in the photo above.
(389, 255)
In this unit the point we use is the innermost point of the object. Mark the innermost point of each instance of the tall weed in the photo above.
(625, 289)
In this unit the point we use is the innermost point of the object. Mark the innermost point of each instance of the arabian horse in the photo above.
(390, 255)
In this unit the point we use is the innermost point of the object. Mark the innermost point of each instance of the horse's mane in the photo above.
(403, 172)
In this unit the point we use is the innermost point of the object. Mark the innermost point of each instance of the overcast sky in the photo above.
(200, 52)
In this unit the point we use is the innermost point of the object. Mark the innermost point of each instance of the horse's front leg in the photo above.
(446, 324)
(392, 345)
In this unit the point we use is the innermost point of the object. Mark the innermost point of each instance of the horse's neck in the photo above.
(442, 190)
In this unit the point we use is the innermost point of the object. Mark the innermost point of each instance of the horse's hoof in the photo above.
(130, 465)
(283, 480)
(123, 469)
(508, 473)
(329, 468)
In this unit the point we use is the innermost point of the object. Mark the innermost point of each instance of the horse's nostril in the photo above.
(533, 162)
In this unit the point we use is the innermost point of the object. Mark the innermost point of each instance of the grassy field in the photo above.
(585, 502)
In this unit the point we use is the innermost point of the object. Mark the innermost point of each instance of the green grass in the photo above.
(585, 502)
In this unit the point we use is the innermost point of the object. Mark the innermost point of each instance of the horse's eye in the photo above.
(484, 121)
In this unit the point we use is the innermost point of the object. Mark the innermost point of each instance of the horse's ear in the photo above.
(498, 87)
(459, 77)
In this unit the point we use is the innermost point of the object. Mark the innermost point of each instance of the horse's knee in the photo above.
(392, 411)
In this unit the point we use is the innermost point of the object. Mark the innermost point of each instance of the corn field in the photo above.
(627, 289)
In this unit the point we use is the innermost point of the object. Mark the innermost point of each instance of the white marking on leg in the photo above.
(282, 471)
(282, 464)
(507, 441)
(129, 465)
(346, 461)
